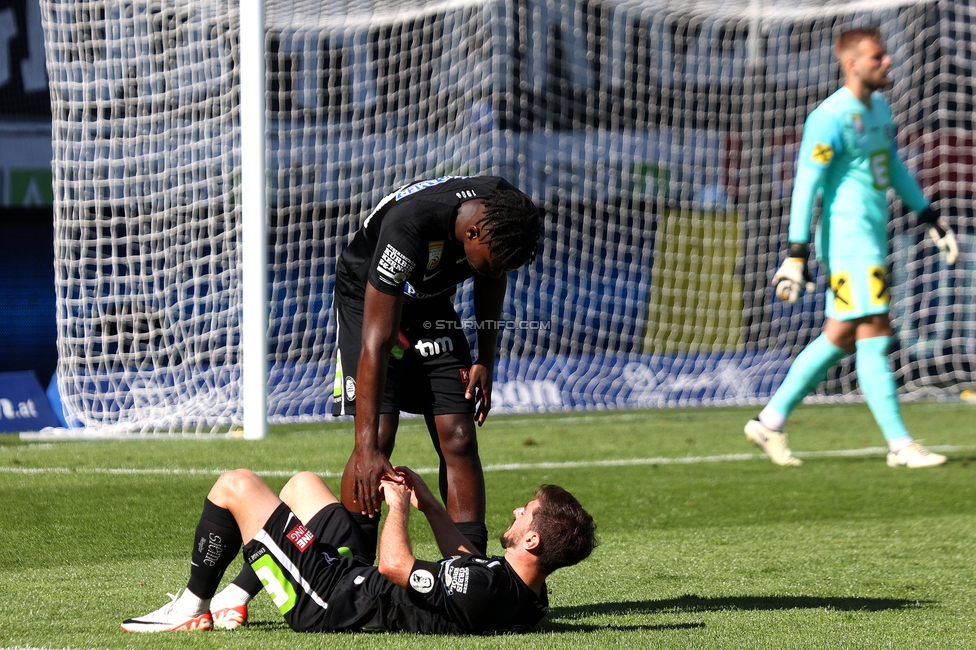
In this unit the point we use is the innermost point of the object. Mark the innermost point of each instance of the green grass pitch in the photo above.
(704, 543)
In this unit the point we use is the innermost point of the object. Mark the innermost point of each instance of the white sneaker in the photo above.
(772, 442)
(914, 456)
(165, 619)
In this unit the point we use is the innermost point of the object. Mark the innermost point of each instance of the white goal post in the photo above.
(659, 136)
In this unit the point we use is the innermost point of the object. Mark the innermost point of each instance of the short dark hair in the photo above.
(513, 225)
(566, 531)
(848, 40)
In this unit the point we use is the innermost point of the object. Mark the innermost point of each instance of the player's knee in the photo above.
(233, 487)
(298, 484)
(458, 440)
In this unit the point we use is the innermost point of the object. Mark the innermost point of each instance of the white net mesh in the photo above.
(660, 137)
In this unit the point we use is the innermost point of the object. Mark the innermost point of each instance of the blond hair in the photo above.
(850, 39)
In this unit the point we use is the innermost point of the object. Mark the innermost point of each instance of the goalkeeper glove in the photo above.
(941, 234)
(793, 276)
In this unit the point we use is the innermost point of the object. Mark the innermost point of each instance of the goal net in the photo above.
(659, 137)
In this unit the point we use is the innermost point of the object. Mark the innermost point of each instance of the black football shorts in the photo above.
(300, 565)
(429, 376)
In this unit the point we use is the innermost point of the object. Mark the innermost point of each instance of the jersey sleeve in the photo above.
(468, 583)
(905, 184)
(398, 251)
(822, 141)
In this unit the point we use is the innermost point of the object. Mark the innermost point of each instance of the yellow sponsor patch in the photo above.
(840, 284)
(878, 278)
(822, 153)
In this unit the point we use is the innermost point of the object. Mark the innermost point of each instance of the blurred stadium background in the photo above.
(660, 138)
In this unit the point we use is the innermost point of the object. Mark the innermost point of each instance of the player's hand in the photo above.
(421, 494)
(945, 239)
(479, 389)
(792, 278)
(369, 468)
(397, 493)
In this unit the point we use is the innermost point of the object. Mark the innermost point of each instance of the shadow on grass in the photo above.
(555, 627)
(693, 603)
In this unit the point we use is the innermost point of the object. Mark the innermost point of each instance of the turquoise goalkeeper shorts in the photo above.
(857, 288)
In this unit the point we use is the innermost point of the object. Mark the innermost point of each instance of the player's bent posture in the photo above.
(304, 547)
(401, 344)
(849, 156)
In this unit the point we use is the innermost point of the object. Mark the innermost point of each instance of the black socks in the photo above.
(215, 545)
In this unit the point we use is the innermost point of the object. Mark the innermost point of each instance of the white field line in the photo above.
(504, 467)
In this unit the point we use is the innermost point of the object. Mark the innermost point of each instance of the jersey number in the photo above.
(280, 589)
(881, 169)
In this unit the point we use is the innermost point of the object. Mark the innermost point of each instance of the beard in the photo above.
(507, 540)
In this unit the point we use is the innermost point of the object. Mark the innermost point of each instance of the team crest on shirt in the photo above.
(435, 251)
(822, 153)
(887, 131)
(858, 123)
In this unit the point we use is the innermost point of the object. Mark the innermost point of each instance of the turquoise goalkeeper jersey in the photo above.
(848, 154)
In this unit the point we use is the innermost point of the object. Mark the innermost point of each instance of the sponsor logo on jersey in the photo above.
(409, 290)
(822, 153)
(422, 581)
(456, 579)
(301, 537)
(350, 389)
(329, 559)
(394, 266)
(435, 251)
(433, 347)
(423, 185)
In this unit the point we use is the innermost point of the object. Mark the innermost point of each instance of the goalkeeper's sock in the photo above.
(897, 444)
(878, 386)
(807, 371)
(371, 527)
(477, 533)
(215, 545)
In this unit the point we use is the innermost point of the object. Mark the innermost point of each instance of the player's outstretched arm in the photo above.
(381, 326)
(396, 558)
(450, 540)
(941, 234)
(793, 276)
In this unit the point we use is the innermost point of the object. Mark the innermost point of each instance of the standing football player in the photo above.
(849, 157)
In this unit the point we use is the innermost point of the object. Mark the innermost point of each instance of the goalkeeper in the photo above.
(848, 155)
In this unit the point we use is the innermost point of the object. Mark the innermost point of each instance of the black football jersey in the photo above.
(461, 595)
(406, 244)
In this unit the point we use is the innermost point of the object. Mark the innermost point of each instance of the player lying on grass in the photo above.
(304, 545)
